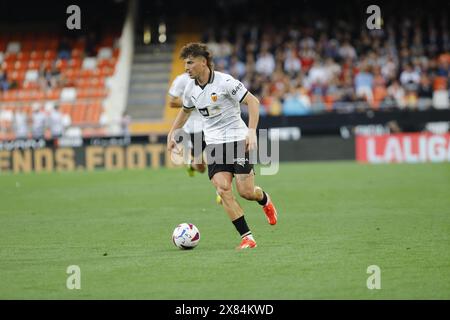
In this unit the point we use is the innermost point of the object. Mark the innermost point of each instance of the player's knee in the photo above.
(224, 190)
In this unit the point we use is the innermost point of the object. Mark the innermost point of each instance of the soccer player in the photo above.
(217, 96)
(193, 126)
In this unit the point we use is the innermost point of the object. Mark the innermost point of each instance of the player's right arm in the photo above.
(180, 120)
(182, 117)
(176, 92)
(175, 102)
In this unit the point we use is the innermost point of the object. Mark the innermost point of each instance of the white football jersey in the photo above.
(219, 104)
(56, 123)
(195, 122)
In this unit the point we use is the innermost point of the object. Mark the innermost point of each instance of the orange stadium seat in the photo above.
(75, 63)
(18, 76)
(37, 55)
(30, 85)
(106, 71)
(20, 66)
(50, 54)
(10, 95)
(34, 64)
(61, 64)
(76, 53)
(23, 56)
(66, 107)
(86, 73)
(53, 94)
(10, 57)
(116, 52)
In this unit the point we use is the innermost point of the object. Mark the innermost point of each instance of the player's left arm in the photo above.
(253, 117)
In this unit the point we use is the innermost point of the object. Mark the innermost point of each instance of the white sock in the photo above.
(248, 235)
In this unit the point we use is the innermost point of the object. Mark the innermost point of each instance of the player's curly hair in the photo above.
(197, 49)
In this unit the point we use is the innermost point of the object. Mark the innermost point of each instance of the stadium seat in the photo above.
(68, 94)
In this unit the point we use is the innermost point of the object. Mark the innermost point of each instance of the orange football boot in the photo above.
(270, 211)
(246, 243)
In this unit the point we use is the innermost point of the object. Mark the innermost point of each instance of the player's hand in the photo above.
(251, 141)
(171, 143)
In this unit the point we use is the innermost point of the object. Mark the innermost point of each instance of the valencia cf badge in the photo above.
(214, 97)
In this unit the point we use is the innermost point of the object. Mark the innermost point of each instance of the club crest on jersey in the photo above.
(214, 97)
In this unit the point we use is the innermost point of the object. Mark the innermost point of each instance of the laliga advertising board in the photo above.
(407, 148)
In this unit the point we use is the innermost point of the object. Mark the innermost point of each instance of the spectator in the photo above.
(364, 84)
(292, 64)
(347, 51)
(265, 64)
(317, 75)
(64, 49)
(425, 93)
(237, 68)
(20, 125)
(389, 69)
(397, 93)
(296, 103)
(39, 122)
(4, 83)
(125, 125)
(410, 78)
(56, 123)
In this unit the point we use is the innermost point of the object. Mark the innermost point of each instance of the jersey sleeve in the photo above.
(236, 89)
(177, 88)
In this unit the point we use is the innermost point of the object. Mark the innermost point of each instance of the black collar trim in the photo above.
(210, 80)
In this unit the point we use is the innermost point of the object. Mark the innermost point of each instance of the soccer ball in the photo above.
(186, 236)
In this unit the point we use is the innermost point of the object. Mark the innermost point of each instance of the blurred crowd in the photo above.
(45, 122)
(301, 69)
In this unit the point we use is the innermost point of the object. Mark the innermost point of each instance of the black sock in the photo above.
(241, 226)
(263, 201)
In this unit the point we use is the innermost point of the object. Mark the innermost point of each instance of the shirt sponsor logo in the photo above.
(236, 89)
(204, 112)
(240, 161)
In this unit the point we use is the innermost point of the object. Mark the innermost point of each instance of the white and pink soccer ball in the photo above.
(186, 236)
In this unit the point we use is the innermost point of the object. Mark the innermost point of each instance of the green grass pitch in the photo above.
(335, 220)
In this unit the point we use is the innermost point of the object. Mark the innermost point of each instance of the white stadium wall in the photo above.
(116, 103)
